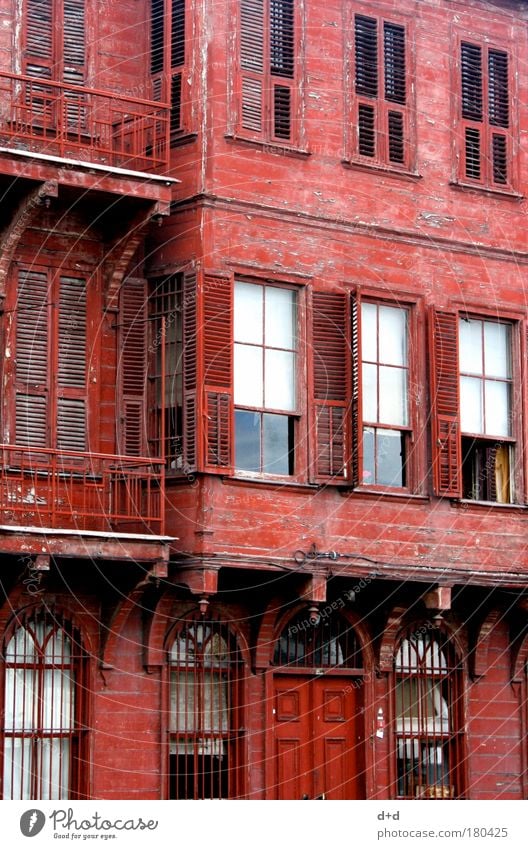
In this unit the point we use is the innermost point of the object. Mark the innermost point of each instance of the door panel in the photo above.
(318, 738)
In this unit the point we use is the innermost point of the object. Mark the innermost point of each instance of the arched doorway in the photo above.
(205, 732)
(316, 711)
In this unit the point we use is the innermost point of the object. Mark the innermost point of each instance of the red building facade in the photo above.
(264, 470)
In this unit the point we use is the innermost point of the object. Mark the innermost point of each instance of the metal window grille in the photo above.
(327, 643)
(42, 732)
(205, 729)
(427, 697)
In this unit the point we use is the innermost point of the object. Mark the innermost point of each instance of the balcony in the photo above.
(43, 488)
(74, 122)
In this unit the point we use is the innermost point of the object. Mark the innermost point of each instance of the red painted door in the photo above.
(317, 727)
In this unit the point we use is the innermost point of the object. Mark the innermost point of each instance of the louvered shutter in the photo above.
(38, 47)
(499, 115)
(132, 367)
(32, 359)
(190, 371)
(381, 90)
(252, 65)
(282, 67)
(218, 372)
(74, 62)
(395, 85)
(71, 380)
(472, 104)
(445, 402)
(177, 64)
(331, 370)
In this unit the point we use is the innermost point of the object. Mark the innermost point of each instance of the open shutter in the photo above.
(32, 359)
(252, 65)
(331, 369)
(132, 366)
(445, 401)
(218, 372)
(71, 365)
(190, 371)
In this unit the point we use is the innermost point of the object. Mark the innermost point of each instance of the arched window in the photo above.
(427, 707)
(327, 641)
(205, 728)
(42, 733)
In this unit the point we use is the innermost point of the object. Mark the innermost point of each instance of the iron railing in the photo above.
(82, 491)
(70, 121)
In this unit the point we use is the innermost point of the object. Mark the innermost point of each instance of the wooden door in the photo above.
(318, 738)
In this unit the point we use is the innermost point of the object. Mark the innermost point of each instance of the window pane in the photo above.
(280, 318)
(471, 419)
(18, 768)
(248, 313)
(470, 340)
(247, 440)
(389, 457)
(392, 336)
(369, 332)
(370, 393)
(497, 408)
(248, 376)
(393, 396)
(280, 380)
(369, 471)
(276, 444)
(496, 350)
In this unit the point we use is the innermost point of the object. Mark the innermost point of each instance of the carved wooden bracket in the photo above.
(125, 246)
(19, 223)
(479, 656)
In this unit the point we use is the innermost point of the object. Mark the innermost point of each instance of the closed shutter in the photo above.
(472, 98)
(190, 371)
(499, 115)
(282, 66)
(252, 65)
(32, 359)
(38, 52)
(132, 366)
(71, 365)
(331, 381)
(177, 63)
(218, 372)
(380, 64)
(74, 59)
(446, 448)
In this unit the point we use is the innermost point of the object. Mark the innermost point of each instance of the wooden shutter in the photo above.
(472, 104)
(218, 372)
(499, 115)
(190, 371)
(32, 359)
(282, 65)
(132, 367)
(177, 63)
(445, 402)
(331, 370)
(71, 365)
(38, 51)
(252, 65)
(395, 86)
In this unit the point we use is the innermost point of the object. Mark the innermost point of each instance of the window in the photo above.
(265, 395)
(485, 116)
(50, 369)
(205, 727)
(381, 92)
(54, 48)
(427, 707)
(474, 407)
(384, 392)
(268, 70)
(43, 735)
(168, 46)
(485, 409)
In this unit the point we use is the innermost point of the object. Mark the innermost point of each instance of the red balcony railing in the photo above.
(98, 492)
(82, 123)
